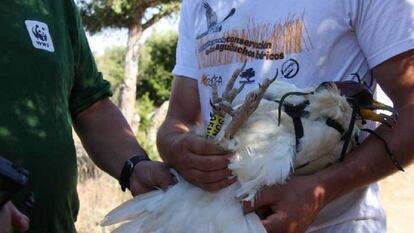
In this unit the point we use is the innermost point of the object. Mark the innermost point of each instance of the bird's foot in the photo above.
(250, 104)
(222, 105)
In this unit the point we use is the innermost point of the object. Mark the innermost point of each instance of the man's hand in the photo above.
(10, 217)
(291, 207)
(201, 162)
(198, 160)
(149, 175)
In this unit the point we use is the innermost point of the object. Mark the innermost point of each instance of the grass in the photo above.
(97, 197)
(98, 192)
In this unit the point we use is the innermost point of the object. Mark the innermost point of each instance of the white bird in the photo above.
(269, 147)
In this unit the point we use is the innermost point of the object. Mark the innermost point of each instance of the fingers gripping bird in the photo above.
(212, 20)
(269, 146)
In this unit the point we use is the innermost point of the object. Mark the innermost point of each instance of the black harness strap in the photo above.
(297, 123)
(357, 140)
(334, 124)
(296, 112)
(348, 135)
(282, 101)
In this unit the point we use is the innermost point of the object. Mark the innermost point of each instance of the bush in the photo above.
(156, 63)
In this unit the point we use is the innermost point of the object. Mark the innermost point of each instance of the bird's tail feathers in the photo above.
(132, 208)
(131, 227)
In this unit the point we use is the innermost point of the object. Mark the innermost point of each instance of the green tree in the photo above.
(158, 60)
(154, 78)
(111, 64)
(136, 16)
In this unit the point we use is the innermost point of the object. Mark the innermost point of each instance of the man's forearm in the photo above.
(183, 113)
(106, 136)
(369, 162)
(170, 131)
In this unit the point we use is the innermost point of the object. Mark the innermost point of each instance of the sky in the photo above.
(118, 37)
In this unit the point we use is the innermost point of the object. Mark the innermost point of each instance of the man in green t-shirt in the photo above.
(49, 83)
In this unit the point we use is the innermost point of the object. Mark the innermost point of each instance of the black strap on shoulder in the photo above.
(297, 123)
(296, 112)
(348, 135)
(282, 101)
(334, 124)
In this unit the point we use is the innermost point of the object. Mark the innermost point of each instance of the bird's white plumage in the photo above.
(266, 154)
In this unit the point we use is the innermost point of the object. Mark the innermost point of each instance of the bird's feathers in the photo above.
(266, 154)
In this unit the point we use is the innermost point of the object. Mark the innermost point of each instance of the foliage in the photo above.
(100, 14)
(157, 62)
(145, 108)
(111, 64)
(136, 16)
(149, 147)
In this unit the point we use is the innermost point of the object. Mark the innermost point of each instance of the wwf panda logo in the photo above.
(39, 32)
(40, 35)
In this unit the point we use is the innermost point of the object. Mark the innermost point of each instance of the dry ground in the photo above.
(397, 196)
(98, 196)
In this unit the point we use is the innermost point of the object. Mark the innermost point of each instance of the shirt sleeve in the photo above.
(88, 85)
(384, 28)
(186, 59)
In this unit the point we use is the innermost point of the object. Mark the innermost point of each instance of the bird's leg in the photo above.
(214, 93)
(219, 104)
(230, 92)
(222, 105)
(250, 104)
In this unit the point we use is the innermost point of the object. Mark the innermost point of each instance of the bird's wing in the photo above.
(132, 208)
(183, 208)
(231, 13)
(210, 15)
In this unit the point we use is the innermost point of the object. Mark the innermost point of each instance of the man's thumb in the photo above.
(19, 221)
(164, 179)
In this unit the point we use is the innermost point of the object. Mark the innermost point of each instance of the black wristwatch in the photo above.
(127, 170)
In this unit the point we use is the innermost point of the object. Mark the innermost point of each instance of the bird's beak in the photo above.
(368, 113)
(380, 106)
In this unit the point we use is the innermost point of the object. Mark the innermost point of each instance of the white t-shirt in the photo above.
(305, 42)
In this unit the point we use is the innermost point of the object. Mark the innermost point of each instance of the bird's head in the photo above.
(362, 100)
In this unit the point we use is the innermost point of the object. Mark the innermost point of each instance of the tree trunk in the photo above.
(156, 120)
(127, 95)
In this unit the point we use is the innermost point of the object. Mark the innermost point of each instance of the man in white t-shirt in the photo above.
(306, 42)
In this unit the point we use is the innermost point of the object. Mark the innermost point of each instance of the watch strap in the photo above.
(124, 179)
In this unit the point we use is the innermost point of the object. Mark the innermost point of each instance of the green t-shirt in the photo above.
(47, 75)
